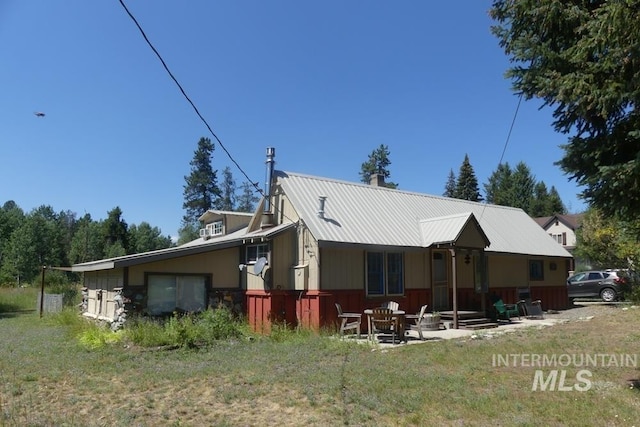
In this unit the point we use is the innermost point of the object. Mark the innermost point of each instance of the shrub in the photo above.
(189, 330)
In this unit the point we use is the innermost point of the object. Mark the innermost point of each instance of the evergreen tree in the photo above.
(581, 58)
(450, 186)
(539, 206)
(498, 188)
(554, 202)
(201, 190)
(115, 233)
(227, 200)
(522, 187)
(247, 199)
(467, 184)
(144, 238)
(378, 163)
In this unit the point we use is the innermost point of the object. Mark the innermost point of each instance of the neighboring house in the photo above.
(315, 241)
(562, 229)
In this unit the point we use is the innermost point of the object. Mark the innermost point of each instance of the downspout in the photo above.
(455, 288)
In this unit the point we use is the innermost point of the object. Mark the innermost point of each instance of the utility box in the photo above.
(301, 277)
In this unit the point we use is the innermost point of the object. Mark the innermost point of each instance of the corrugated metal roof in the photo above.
(444, 229)
(196, 246)
(363, 214)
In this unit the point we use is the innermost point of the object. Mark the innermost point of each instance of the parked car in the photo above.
(594, 284)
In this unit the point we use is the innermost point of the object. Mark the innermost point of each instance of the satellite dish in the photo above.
(258, 267)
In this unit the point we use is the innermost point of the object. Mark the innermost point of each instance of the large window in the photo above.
(385, 273)
(167, 293)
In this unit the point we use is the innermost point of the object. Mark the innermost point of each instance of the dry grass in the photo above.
(46, 379)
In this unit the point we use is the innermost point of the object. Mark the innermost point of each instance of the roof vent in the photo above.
(321, 201)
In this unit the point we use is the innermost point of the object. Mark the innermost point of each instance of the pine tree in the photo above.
(581, 59)
(450, 186)
(467, 184)
(201, 189)
(378, 163)
(227, 200)
(247, 199)
(498, 188)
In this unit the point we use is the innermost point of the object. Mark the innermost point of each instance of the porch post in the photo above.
(455, 288)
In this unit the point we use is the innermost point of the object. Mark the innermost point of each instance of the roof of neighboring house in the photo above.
(573, 221)
(194, 247)
(363, 214)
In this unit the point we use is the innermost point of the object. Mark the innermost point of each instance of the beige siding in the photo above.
(342, 269)
(284, 255)
(506, 271)
(471, 237)
(465, 273)
(417, 270)
(233, 223)
(221, 264)
(100, 288)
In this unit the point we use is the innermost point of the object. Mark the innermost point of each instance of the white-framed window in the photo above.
(255, 252)
(385, 273)
(215, 228)
(560, 238)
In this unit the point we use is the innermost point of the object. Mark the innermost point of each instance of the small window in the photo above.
(536, 269)
(255, 252)
(215, 228)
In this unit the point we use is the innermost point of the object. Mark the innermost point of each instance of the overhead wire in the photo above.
(184, 94)
(506, 143)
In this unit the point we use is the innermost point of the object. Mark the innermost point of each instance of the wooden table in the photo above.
(398, 314)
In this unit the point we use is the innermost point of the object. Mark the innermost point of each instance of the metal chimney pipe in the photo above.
(271, 153)
(321, 201)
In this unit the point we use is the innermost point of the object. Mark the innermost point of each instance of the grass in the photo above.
(47, 377)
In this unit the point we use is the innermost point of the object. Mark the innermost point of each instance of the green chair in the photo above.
(506, 311)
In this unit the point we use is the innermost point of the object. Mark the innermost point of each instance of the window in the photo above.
(385, 273)
(215, 228)
(255, 252)
(560, 238)
(167, 293)
(536, 269)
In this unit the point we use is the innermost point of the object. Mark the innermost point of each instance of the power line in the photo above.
(506, 143)
(144, 35)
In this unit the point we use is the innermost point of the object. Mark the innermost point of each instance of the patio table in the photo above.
(398, 314)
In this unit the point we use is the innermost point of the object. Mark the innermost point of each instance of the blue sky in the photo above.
(325, 83)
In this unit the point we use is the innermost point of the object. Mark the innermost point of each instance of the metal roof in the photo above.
(196, 246)
(363, 214)
(446, 230)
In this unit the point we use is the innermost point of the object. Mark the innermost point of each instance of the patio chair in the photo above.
(384, 322)
(532, 309)
(418, 324)
(506, 311)
(391, 305)
(349, 321)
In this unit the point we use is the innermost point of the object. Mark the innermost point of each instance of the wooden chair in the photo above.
(506, 311)
(415, 321)
(384, 322)
(532, 309)
(391, 305)
(349, 321)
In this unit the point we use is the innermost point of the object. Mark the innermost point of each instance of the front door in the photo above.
(440, 281)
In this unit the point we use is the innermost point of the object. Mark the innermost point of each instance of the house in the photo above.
(562, 228)
(315, 241)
